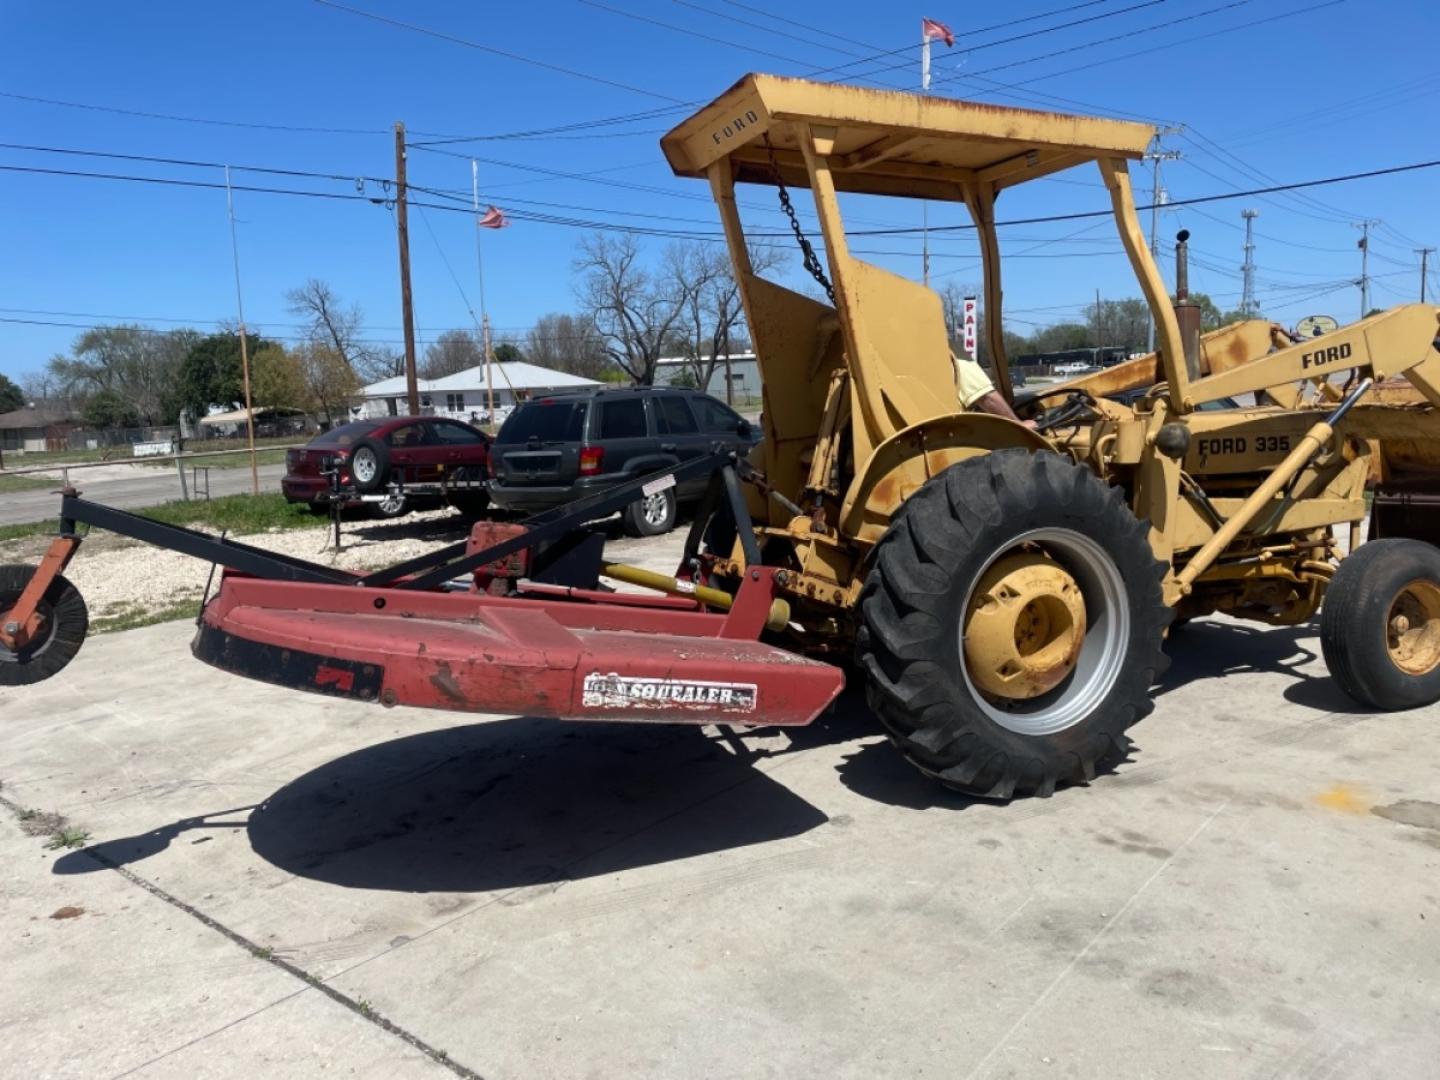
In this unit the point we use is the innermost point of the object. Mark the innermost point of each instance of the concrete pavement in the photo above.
(148, 486)
(280, 884)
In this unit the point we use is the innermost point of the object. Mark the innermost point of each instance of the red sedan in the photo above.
(445, 460)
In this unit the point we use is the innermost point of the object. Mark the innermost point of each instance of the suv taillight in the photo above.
(591, 458)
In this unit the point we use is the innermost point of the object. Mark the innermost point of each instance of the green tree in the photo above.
(211, 375)
(11, 396)
(109, 409)
(276, 381)
(129, 364)
(508, 353)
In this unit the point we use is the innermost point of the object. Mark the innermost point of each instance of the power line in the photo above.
(1105, 41)
(899, 231)
(491, 49)
(191, 119)
(1187, 41)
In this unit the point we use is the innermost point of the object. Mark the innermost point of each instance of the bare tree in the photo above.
(330, 322)
(41, 386)
(567, 343)
(452, 352)
(329, 384)
(713, 312)
(635, 312)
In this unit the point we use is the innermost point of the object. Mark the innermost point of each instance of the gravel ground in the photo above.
(120, 577)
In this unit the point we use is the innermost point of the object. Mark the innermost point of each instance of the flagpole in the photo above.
(484, 313)
(924, 205)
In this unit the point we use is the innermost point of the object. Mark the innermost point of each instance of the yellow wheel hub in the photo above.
(1024, 627)
(1412, 629)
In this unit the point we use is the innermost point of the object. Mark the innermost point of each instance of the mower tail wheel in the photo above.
(1012, 625)
(63, 624)
(369, 464)
(1380, 625)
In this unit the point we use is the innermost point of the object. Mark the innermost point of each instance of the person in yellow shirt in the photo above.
(978, 394)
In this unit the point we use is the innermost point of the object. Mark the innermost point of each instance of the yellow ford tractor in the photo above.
(1004, 585)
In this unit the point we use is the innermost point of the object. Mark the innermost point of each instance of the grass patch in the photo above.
(128, 615)
(67, 838)
(235, 461)
(237, 514)
(10, 484)
(29, 528)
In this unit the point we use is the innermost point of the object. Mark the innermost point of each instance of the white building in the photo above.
(744, 376)
(464, 395)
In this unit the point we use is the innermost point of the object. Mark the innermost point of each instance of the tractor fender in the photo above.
(902, 463)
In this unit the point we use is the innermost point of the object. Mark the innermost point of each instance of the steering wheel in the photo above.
(1076, 404)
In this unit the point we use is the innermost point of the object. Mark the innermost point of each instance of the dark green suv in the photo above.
(555, 449)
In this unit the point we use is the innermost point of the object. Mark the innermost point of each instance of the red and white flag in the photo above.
(492, 219)
(931, 30)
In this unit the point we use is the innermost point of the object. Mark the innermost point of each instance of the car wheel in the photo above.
(393, 506)
(370, 465)
(650, 515)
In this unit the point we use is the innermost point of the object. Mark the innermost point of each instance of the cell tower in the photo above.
(1247, 299)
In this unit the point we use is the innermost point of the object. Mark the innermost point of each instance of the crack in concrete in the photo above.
(260, 952)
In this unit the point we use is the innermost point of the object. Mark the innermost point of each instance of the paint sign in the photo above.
(969, 325)
(612, 691)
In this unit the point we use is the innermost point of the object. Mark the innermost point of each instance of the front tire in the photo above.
(1012, 625)
(1380, 624)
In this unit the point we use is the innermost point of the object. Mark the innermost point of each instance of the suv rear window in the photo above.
(548, 420)
(345, 434)
(623, 418)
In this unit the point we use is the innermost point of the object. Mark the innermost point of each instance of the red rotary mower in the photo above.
(513, 620)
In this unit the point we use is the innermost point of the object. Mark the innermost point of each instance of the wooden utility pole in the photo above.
(1424, 254)
(407, 304)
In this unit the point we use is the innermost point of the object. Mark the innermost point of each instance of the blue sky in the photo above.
(1338, 87)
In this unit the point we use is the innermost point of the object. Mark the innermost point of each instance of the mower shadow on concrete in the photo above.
(520, 802)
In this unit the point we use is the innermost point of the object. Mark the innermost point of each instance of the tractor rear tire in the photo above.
(1062, 525)
(1380, 625)
(65, 622)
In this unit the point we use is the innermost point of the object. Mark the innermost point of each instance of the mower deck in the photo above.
(579, 658)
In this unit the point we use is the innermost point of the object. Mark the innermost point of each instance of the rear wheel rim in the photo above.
(1412, 628)
(392, 504)
(1095, 661)
(363, 466)
(655, 509)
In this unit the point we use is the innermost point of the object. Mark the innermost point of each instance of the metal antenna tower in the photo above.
(1247, 299)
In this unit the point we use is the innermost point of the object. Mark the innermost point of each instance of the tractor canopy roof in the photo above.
(888, 142)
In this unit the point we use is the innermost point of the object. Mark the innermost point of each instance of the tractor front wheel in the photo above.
(1012, 625)
(1380, 625)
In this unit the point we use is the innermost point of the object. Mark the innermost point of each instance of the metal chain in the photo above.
(812, 262)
